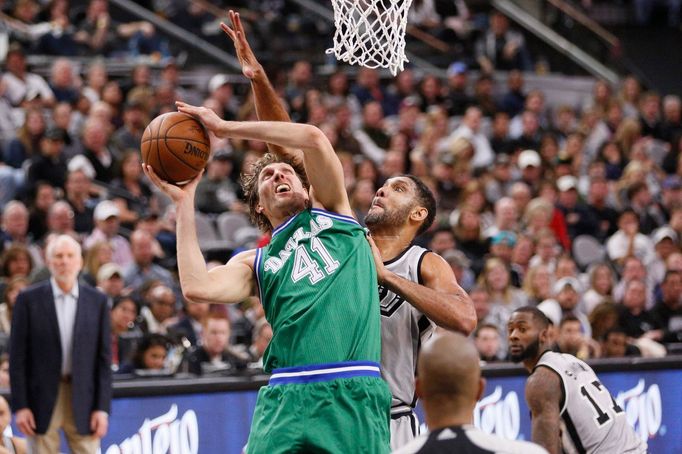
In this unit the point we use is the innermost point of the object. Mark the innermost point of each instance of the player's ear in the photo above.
(419, 214)
(259, 208)
(481, 388)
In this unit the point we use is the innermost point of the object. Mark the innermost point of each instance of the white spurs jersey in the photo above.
(403, 328)
(591, 420)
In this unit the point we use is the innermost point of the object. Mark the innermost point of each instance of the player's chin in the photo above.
(516, 354)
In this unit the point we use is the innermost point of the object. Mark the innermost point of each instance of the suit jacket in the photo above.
(36, 355)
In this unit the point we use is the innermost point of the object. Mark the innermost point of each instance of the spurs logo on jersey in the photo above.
(389, 305)
(403, 328)
(591, 420)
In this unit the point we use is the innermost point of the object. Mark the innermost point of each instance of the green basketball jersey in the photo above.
(318, 286)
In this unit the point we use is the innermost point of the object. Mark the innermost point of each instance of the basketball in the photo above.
(176, 146)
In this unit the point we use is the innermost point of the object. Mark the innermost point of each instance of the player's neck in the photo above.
(440, 414)
(391, 241)
(391, 244)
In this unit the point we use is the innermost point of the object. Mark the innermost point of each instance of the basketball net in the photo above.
(371, 33)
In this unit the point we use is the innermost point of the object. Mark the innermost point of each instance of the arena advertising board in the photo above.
(219, 422)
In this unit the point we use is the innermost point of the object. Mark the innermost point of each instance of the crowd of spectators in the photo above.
(528, 195)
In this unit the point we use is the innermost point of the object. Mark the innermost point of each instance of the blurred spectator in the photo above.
(460, 265)
(615, 345)
(151, 352)
(576, 213)
(213, 355)
(601, 283)
(458, 98)
(503, 298)
(603, 318)
(125, 335)
(4, 374)
(98, 255)
(501, 48)
(129, 135)
(567, 293)
(361, 195)
(28, 140)
(629, 241)
(157, 314)
(96, 78)
(487, 342)
(60, 219)
(634, 318)
(649, 115)
(130, 191)
(44, 196)
(668, 309)
(49, 164)
(442, 240)
(665, 242)
(629, 96)
(95, 138)
(143, 268)
(78, 196)
(600, 209)
(16, 262)
(10, 289)
(22, 86)
(500, 141)
(514, 99)
(14, 229)
(106, 216)
(261, 339)
(368, 88)
(468, 234)
(216, 192)
(63, 81)
(537, 284)
(506, 217)
(9, 444)
(470, 129)
(191, 324)
(110, 280)
(649, 212)
(571, 340)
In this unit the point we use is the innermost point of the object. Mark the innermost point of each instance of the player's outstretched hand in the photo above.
(208, 117)
(250, 65)
(176, 193)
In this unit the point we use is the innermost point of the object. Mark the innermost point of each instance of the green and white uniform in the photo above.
(317, 284)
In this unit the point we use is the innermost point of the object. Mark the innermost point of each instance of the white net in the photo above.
(371, 33)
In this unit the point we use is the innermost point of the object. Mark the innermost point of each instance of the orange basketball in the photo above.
(176, 146)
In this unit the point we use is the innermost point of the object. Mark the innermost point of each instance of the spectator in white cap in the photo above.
(567, 293)
(665, 242)
(107, 223)
(220, 89)
(110, 280)
(577, 215)
(530, 164)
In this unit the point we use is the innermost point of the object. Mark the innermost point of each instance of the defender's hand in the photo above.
(206, 116)
(247, 59)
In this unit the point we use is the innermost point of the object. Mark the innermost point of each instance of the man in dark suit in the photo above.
(60, 357)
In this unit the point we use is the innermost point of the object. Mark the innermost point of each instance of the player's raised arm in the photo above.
(230, 283)
(268, 104)
(543, 396)
(322, 166)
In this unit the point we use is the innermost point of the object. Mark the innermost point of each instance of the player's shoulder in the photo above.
(491, 443)
(245, 257)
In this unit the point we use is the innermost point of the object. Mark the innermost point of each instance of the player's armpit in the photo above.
(543, 396)
(229, 283)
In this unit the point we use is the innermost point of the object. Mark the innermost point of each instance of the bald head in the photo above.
(449, 369)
